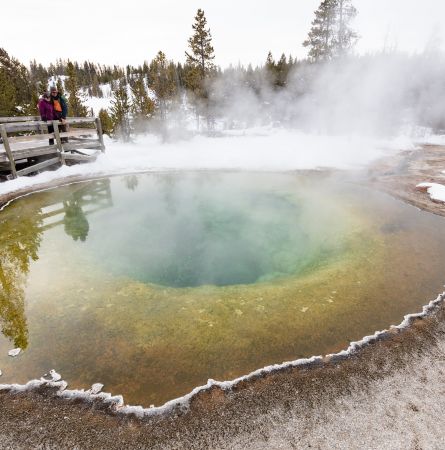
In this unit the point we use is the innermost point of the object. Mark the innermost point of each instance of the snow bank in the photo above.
(261, 149)
(435, 190)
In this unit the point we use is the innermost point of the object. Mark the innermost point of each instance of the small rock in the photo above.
(51, 376)
(55, 376)
(422, 187)
(304, 309)
(15, 352)
(96, 388)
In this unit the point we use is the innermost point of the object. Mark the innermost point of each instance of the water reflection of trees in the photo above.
(21, 226)
(75, 221)
(84, 199)
(19, 244)
(131, 182)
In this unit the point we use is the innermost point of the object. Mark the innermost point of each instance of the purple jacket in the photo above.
(46, 110)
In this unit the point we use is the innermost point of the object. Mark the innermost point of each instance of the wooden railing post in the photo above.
(58, 140)
(100, 134)
(4, 135)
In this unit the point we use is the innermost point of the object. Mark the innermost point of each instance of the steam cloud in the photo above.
(380, 94)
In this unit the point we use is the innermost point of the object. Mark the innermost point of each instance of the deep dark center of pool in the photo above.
(227, 234)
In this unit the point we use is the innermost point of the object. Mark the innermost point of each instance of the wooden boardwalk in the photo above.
(25, 145)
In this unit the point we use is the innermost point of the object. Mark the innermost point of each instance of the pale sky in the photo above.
(131, 31)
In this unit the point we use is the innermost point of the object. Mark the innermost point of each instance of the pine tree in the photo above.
(16, 77)
(200, 67)
(202, 53)
(32, 109)
(107, 123)
(270, 70)
(42, 82)
(331, 34)
(95, 88)
(7, 95)
(163, 81)
(59, 85)
(75, 105)
(270, 62)
(120, 112)
(282, 70)
(321, 37)
(143, 106)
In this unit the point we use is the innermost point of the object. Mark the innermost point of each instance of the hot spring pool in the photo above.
(151, 284)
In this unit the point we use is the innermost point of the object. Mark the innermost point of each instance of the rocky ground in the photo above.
(400, 175)
(390, 394)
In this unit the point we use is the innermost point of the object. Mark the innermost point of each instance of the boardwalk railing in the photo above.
(28, 146)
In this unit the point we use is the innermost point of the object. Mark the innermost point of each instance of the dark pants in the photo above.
(63, 129)
(51, 130)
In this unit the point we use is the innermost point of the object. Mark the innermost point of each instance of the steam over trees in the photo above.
(157, 88)
(331, 34)
(347, 37)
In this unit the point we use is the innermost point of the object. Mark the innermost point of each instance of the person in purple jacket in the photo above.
(46, 110)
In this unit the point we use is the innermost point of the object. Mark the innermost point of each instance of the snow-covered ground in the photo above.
(254, 149)
(97, 103)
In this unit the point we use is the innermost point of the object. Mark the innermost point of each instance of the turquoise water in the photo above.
(220, 230)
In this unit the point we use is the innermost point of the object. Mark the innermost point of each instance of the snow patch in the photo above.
(97, 103)
(436, 191)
